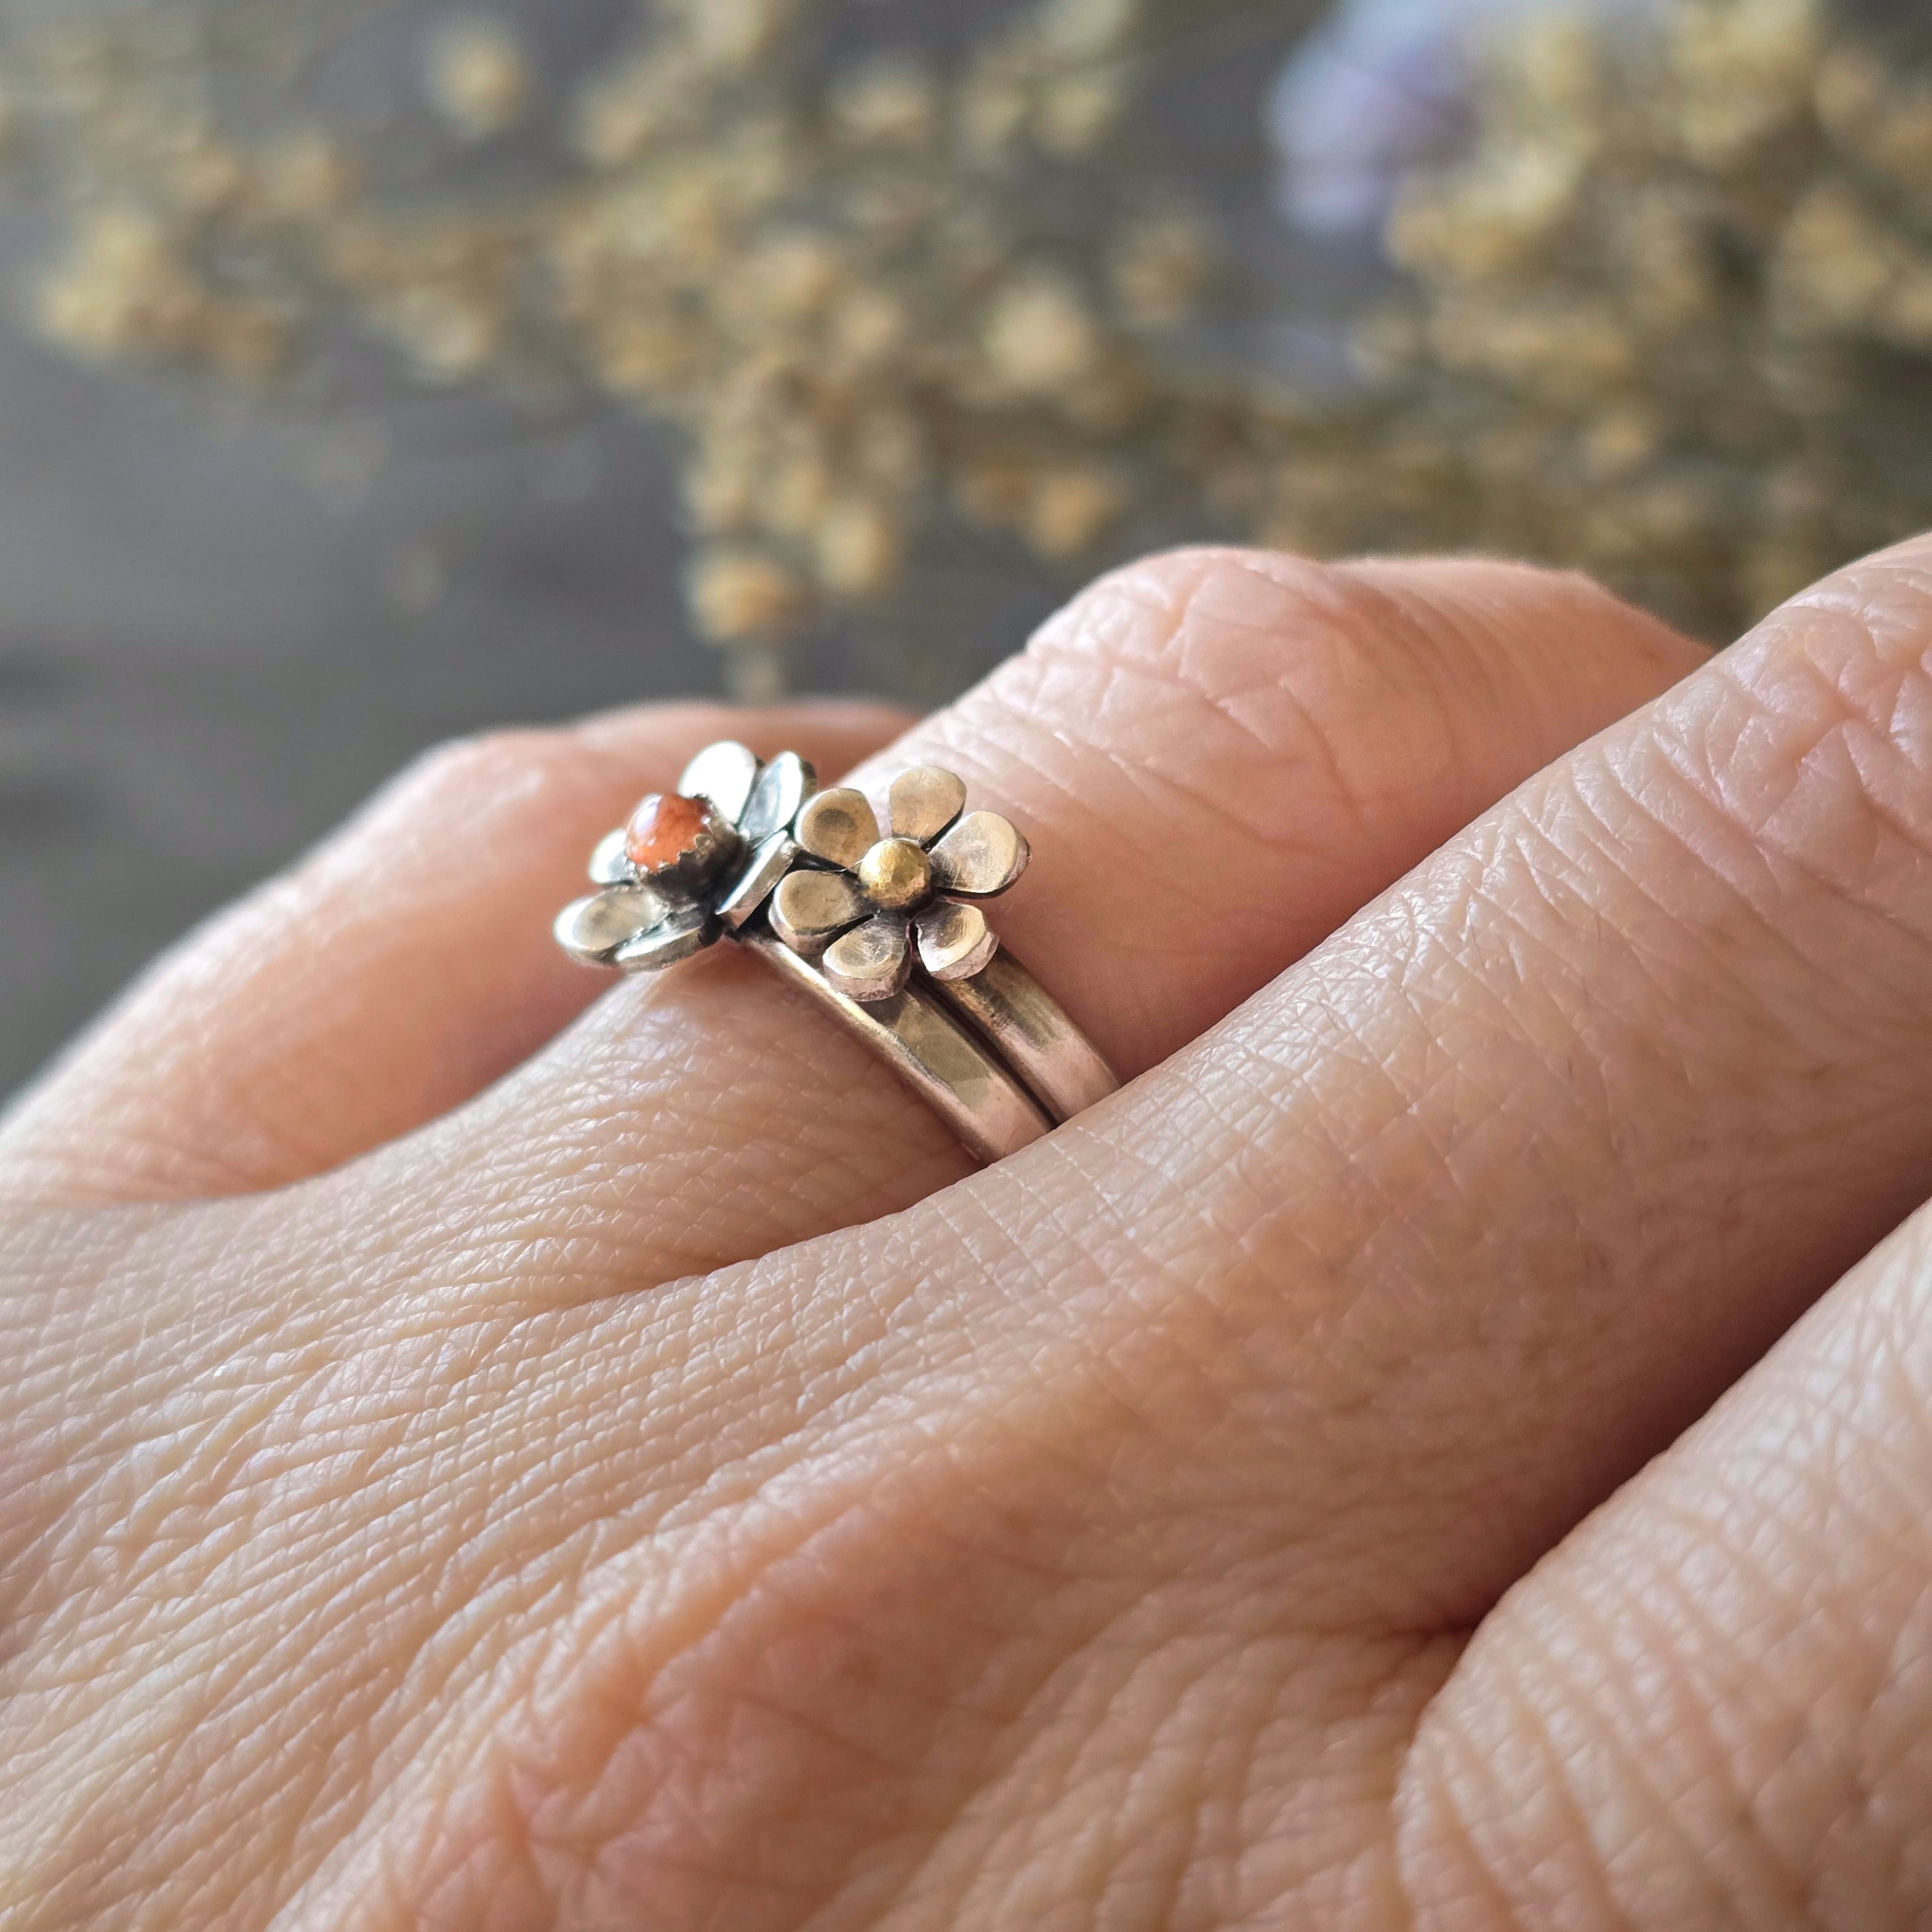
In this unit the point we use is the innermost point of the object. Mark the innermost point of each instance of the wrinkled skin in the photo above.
(1451, 1446)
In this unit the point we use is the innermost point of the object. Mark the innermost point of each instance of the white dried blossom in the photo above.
(478, 76)
(1039, 337)
(1678, 260)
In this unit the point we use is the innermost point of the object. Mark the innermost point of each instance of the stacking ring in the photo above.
(884, 928)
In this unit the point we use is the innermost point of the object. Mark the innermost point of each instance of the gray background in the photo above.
(203, 664)
(204, 661)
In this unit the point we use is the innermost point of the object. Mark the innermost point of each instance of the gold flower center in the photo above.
(896, 873)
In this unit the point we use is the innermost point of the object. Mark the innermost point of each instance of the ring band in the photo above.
(1059, 1065)
(882, 929)
(956, 1074)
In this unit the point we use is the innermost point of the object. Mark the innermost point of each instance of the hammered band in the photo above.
(880, 927)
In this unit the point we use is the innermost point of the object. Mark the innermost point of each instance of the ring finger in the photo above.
(399, 968)
(1318, 729)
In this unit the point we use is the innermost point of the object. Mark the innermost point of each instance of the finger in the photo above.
(1309, 733)
(1437, 1240)
(1312, 1334)
(1314, 729)
(392, 973)
(1245, 1395)
(1710, 1707)
(1324, 725)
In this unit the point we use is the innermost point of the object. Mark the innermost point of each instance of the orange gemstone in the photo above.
(663, 828)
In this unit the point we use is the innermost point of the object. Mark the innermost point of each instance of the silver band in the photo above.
(953, 1072)
(883, 929)
(1026, 1026)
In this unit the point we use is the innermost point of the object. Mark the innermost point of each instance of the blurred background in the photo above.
(374, 370)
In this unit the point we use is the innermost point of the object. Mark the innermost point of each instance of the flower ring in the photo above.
(887, 895)
(691, 865)
(804, 880)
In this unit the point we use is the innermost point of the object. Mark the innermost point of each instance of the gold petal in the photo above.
(724, 773)
(982, 855)
(783, 786)
(809, 907)
(872, 962)
(837, 826)
(924, 802)
(591, 930)
(955, 941)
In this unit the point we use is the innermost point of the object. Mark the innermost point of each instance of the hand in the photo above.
(472, 1467)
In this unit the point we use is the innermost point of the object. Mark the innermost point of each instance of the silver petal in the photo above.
(610, 863)
(982, 855)
(955, 941)
(689, 930)
(591, 930)
(809, 907)
(872, 962)
(838, 826)
(783, 787)
(924, 802)
(760, 878)
(724, 773)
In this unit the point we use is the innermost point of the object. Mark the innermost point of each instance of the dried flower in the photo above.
(856, 548)
(1068, 510)
(1160, 267)
(891, 102)
(738, 594)
(477, 77)
(1666, 320)
(1039, 336)
(1683, 261)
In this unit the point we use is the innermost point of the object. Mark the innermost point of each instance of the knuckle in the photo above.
(1814, 736)
(1269, 642)
(480, 764)
(1383, 615)
(1525, 1784)
(1382, 679)
(1180, 574)
(1792, 1528)
(1288, 695)
(488, 784)
(1168, 606)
